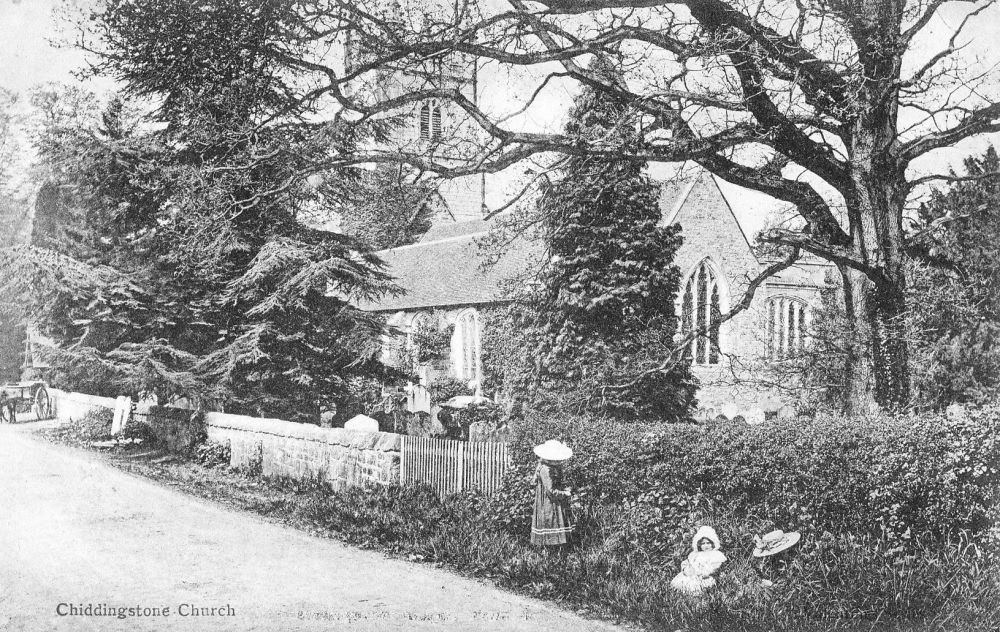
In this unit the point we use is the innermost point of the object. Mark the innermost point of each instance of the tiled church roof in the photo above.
(446, 268)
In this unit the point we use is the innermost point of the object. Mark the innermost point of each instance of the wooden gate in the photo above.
(452, 466)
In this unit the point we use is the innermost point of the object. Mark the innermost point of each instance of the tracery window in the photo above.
(701, 308)
(430, 120)
(787, 320)
(467, 331)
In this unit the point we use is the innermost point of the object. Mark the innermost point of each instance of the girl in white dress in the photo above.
(704, 561)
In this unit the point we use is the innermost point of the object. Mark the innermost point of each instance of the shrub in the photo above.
(139, 432)
(94, 426)
(891, 476)
(443, 389)
(177, 429)
(212, 454)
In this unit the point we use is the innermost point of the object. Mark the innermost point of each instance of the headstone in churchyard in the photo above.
(326, 418)
(955, 411)
(123, 407)
(363, 423)
(786, 412)
(479, 431)
(754, 416)
(730, 410)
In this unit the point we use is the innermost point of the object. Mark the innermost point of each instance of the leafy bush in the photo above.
(443, 389)
(140, 432)
(176, 429)
(212, 454)
(888, 476)
(431, 340)
(93, 426)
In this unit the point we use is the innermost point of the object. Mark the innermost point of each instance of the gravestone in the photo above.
(955, 411)
(786, 412)
(362, 422)
(326, 418)
(123, 408)
(730, 410)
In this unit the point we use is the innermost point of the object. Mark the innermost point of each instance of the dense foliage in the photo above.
(842, 580)
(216, 287)
(601, 326)
(388, 208)
(953, 316)
(889, 477)
(955, 304)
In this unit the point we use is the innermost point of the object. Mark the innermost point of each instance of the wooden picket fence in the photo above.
(452, 466)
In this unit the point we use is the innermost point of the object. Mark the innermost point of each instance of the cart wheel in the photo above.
(43, 407)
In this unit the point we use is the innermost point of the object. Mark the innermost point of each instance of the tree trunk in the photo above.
(859, 375)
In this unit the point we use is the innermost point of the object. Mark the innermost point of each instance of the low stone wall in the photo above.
(301, 451)
(278, 448)
(68, 405)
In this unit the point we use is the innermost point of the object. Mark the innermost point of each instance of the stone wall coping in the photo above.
(82, 398)
(381, 441)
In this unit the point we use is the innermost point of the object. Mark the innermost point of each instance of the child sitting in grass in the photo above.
(704, 561)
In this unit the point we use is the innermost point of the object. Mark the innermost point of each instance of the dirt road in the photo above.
(76, 532)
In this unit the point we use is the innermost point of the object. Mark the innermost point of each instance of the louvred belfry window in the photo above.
(701, 310)
(430, 120)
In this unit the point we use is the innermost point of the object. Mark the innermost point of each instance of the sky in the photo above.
(28, 58)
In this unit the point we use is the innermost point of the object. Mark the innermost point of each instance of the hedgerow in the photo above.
(888, 476)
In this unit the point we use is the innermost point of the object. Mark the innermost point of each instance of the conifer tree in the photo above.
(197, 276)
(604, 314)
(955, 305)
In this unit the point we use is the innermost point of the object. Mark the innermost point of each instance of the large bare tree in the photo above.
(827, 105)
(824, 104)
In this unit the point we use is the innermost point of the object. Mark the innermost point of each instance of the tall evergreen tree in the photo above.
(955, 305)
(213, 287)
(604, 315)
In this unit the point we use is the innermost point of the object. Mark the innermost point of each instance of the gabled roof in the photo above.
(703, 188)
(446, 268)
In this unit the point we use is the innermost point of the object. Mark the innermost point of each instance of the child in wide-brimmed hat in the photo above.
(701, 564)
(551, 524)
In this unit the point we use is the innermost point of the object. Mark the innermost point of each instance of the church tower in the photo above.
(432, 127)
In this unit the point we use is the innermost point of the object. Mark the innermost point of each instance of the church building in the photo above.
(443, 278)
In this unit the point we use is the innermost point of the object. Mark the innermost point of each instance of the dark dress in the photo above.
(551, 524)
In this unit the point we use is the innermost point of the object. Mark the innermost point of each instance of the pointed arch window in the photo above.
(430, 120)
(701, 310)
(787, 327)
(467, 331)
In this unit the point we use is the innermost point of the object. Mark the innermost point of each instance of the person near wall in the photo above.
(551, 524)
(704, 561)
(773, 551)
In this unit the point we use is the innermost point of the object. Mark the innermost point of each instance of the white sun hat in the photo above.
(553, 450)
(775, 542)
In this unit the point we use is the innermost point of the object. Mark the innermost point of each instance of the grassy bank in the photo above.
(835, 582)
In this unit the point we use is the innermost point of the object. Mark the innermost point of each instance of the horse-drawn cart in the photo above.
(22, 397)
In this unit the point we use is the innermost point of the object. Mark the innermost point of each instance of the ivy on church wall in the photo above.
(501, 343)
